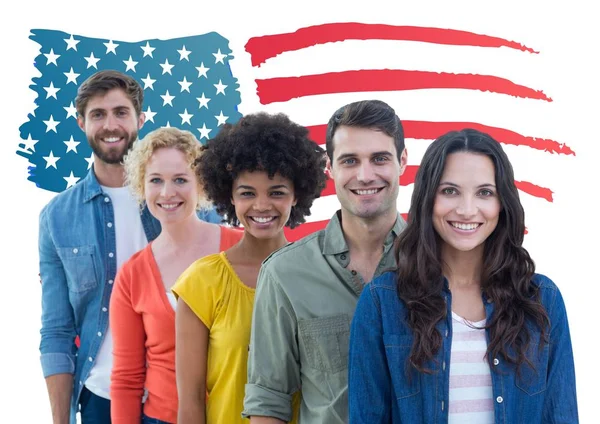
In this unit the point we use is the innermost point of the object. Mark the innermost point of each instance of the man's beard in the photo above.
(107, 153)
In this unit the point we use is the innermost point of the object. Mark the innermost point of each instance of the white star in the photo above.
(92, 61)
(51, 90)
(219, 57)
(167, 98)
(130, 64)
(167, 125)
(221, 119)
(90, 161)
(148, 50)
(51, 124)
(71, 111)
(185, 117)
(51, 57)
(30, 143)
(183, 53)
(204, 131)
(71, 76)
(111, 47)
(185, 85)
(202, 70)
(203, 101)
(149, 114)
(71, 145)
(220, 87)
(148, 82)
(166, 67)
(71, 43)
(71, 180)
(51, 160)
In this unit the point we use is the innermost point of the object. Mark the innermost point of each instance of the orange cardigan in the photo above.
(142, 322)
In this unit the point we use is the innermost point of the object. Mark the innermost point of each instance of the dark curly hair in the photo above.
(271, 143)
(506, 277)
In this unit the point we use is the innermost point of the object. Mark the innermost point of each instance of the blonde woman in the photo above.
(161, 171)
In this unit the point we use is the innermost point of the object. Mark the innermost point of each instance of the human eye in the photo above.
(180, 180)
(380, 159)
(486, 192)
(349, 161)
(246, 194)
(155, 180)
(448, 191)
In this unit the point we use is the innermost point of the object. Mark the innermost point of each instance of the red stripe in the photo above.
(286, 88)
(268, 46)
(426, 130)
(535, 190)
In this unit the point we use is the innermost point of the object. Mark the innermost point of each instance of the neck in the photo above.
(367, 234)
(181, 234)
(462, 268)
(109, 175)
(256, 250)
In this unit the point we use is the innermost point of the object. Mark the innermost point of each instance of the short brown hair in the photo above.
(102, 82)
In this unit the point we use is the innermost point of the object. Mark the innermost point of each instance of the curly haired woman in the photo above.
(264, 172)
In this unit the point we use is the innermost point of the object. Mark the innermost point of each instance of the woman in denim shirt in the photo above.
(463, 330)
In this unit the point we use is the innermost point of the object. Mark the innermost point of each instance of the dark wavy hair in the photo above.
(507, 267)
(102, 82)
(265, 142)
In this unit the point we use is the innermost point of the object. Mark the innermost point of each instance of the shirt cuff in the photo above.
(262, 402)
(57, 363)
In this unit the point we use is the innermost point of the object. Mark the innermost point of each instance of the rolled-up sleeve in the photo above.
(57, 345)
(273, 360)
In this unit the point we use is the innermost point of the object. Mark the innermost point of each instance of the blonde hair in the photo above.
(137, 158)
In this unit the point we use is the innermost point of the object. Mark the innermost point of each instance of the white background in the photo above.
(563, 235)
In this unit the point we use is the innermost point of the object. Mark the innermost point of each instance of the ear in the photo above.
(328, 170)
(403, 161)
(295, 201)
(81, 122)
(141, 120)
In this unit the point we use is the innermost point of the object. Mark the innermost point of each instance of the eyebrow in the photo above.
(99, 109)
(351, 155)
(160, 175)
(456, 185)
(273, 187)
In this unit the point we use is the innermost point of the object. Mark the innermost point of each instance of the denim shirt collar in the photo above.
(91, 186)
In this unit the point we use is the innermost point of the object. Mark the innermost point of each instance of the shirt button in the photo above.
(104, 309)
(109, 225)
(442, 405)
(75, 250)
(489, 300)
(353, 272)
(106, 200)
(80, 382)
(444, 365)
(499, 399)
(90, 359)
(110, 281)
(496, 361)
(342, 257)
(446, 332)
(111, 254)
(99, 334)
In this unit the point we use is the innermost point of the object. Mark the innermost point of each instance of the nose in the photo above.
(365, 172)
(110, 122)
(167, 190)
(467, 206)
(261, 203)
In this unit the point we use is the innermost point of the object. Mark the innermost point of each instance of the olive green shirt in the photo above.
(304, 303)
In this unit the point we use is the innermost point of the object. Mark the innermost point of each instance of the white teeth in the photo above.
(112, 139)
(169, 205)
(364, 192)
(464, 226)
(262, 219)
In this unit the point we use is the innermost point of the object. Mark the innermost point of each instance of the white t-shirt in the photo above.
(130, 238)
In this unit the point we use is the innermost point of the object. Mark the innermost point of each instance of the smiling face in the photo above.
(466, 207)
(263, 204)
(366, 171)
(111, 125)
(170, 186)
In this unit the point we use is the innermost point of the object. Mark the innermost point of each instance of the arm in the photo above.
(273, 360)
(191, 339)
(57, 346)
(368, 396)
(560, 405)
(129, 353)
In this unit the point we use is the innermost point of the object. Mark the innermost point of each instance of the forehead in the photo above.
(467, 166)
(256, 178)
(361, 141)
(112, 99)
(167, 159)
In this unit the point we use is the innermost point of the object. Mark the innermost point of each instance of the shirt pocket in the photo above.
(326, 342)
(405, 378)
(78, 263)
(533, 380)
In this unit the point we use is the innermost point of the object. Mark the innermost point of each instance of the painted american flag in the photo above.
(188, 82)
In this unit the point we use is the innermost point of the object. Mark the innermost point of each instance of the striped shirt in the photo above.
(471, 395)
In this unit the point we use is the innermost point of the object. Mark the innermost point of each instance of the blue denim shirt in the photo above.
(380, 343)
(78, 264)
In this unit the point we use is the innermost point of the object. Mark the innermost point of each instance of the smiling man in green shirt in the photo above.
(307, 291)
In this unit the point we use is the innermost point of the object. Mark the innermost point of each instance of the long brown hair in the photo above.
(507, 267)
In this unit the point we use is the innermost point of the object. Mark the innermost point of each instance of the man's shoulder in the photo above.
(64, 201)
(295, 251)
